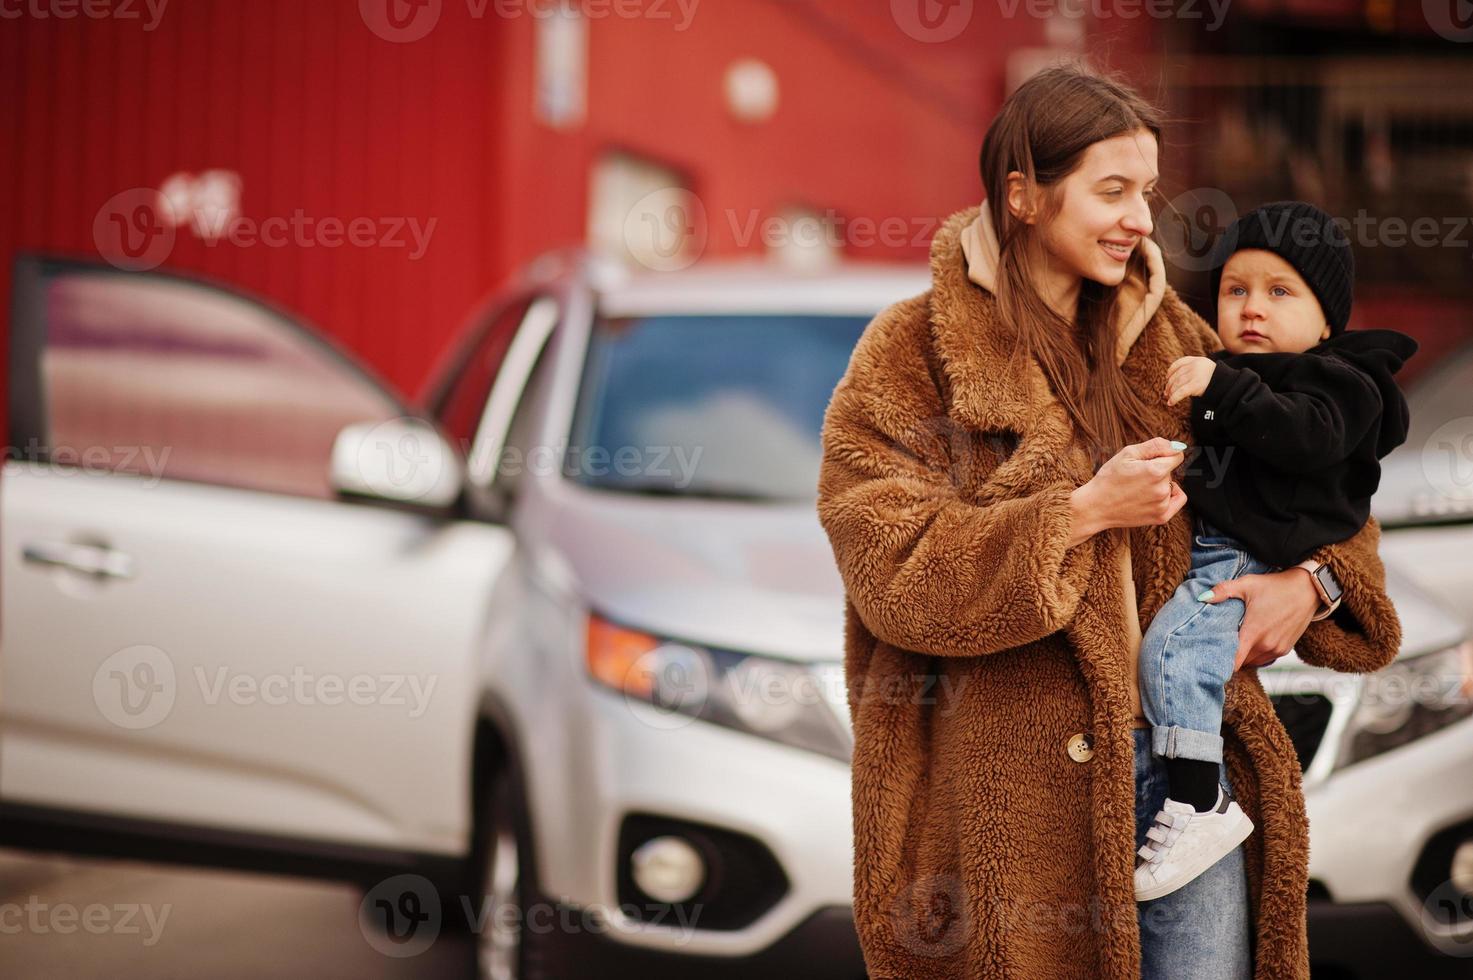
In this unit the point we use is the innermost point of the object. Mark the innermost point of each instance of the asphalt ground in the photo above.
(76, 919)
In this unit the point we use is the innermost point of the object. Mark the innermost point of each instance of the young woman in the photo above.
(997, 488)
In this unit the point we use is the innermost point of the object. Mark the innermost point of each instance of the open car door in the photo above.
(200, 639)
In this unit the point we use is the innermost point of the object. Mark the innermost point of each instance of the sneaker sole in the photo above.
(1240, 833)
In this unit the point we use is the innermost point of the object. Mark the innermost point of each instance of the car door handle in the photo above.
(96, 560)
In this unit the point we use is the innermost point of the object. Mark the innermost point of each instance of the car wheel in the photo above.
(501, 949)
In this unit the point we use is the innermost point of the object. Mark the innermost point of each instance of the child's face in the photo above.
(1264, 305)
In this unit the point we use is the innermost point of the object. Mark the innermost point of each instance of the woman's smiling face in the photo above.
(1104, 209)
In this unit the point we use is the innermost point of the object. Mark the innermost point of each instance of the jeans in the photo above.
(1188, 650)
(1201, 930)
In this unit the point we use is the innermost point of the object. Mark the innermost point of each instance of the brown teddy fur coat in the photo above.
(977, 647)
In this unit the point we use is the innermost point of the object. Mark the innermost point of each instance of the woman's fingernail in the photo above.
(1178, 446)
(1205, 596)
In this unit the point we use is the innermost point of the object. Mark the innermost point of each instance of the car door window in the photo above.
(461, 402)
(168, 377)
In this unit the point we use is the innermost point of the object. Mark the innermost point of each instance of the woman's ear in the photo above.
(1020, 201)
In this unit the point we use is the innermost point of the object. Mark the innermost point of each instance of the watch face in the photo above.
(1327, 579)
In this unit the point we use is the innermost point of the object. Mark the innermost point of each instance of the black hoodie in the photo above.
(1288, 445)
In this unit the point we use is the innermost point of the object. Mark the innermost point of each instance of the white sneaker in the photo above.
(1185, 843)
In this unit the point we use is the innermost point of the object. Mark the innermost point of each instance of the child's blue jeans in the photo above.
(1188, 650)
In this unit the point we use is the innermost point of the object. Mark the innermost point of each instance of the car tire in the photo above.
(499, 871)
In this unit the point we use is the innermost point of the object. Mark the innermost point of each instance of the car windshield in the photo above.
(723, 406)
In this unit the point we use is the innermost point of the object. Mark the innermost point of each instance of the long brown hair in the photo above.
(1043, 131)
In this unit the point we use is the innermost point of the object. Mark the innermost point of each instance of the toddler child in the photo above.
(1289, 422)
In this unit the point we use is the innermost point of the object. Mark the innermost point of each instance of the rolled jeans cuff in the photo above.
(1175, 742)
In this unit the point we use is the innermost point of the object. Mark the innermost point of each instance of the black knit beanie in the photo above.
(1305, 237)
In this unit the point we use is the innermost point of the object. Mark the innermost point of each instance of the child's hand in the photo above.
(1188, 376)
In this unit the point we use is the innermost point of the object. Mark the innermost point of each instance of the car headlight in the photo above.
(780, 700)
(1409, 699)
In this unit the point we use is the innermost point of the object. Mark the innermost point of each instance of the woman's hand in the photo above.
(1132, 489)
(1188, 376)
(1278, 608)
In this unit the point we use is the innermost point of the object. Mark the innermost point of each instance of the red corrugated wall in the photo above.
(320, 115)
(314, 112)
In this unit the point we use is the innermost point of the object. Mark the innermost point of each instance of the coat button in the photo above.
(1081, 747)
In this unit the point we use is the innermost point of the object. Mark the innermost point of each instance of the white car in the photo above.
(1389, 756)
(555, 658)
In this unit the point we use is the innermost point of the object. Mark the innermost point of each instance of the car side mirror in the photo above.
(403, 461)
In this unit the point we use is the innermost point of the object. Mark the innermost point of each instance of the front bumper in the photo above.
(1371, 940)
(1371, 823)
(823, 946)
(616, 763)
